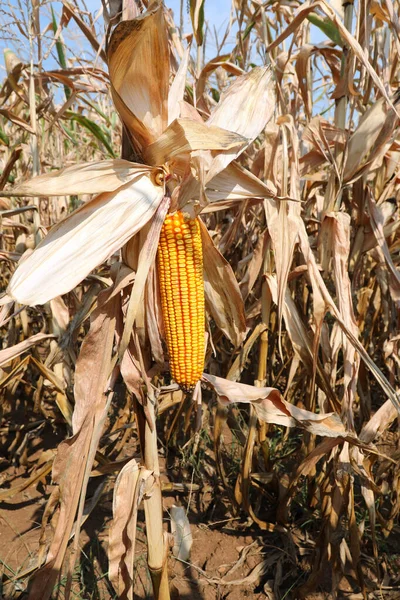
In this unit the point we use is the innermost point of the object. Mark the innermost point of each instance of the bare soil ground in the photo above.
(231, 557)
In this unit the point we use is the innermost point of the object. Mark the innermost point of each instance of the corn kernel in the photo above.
(180, 268)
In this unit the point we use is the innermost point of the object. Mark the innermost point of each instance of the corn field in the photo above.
(200, 302)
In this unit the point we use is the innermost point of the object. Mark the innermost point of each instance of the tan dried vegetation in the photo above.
(285, 147)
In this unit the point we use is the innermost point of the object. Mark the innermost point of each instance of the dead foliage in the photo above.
(286, 145)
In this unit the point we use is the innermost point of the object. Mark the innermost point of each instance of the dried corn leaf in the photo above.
(321, 290)
(91, 234)
(255, 264)
(177, 89)
(154, 322)
(122, 535)
(245, 108)
(373, 132)
(16, 120)
(186, 135)
(272, 408)
(146, 258)
(10, 353)
(222, 294)
(304, 10)
(85, 178)
(76, 454)
(38, 475)
(379, 422)
(236, 183)
(219, 61)
(338, 226)
(138, 62)
(138, 133)
(233, 184)
(377, 223)
(14, 67)
(197, 17)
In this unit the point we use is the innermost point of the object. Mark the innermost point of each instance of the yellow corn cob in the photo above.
(180, 268)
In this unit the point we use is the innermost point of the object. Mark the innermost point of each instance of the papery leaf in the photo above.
(283, 231)
(222, 294)
(8, 354)
(272, 408)
(154, 322)
(338, 228)
(138, 133)
(14, 67)
(37, 475)
(84, 240)
(138, 62)
(373, 131)
(254, 267)
(146, 257)
(85, 178)
(177, 89)
(186, 135)
(377, 223)
(379, 422)
(122, 536)
(301, 338)
(245, 108)
(319, 288)
(236, 183)
(16, 120)
(233, 184)
(302, 13)
(75, 455)
(218, 61)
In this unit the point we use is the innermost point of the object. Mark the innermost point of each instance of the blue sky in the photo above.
(217, 14)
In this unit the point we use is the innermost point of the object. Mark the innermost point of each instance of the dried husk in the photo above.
(74, 247)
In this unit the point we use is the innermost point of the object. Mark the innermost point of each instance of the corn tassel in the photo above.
(180, 268)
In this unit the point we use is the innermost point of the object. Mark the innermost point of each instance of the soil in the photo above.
(231, 557)
(218, 545)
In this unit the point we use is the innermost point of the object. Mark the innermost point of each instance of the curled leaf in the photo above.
(245, 108)
(139, 69)
(187, 135)
(272, 408)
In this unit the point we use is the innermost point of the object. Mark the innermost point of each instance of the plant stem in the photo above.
(156, 538)
(333, 195)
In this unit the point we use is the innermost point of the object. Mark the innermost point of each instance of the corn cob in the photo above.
(180, 268)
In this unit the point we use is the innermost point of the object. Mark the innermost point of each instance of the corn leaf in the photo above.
(139, 69)
(222, 294)
(327, 27)
(197, 17)
(245, 108)
(95, 129)
(186, 135)
(86, 178)
(82, 241)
